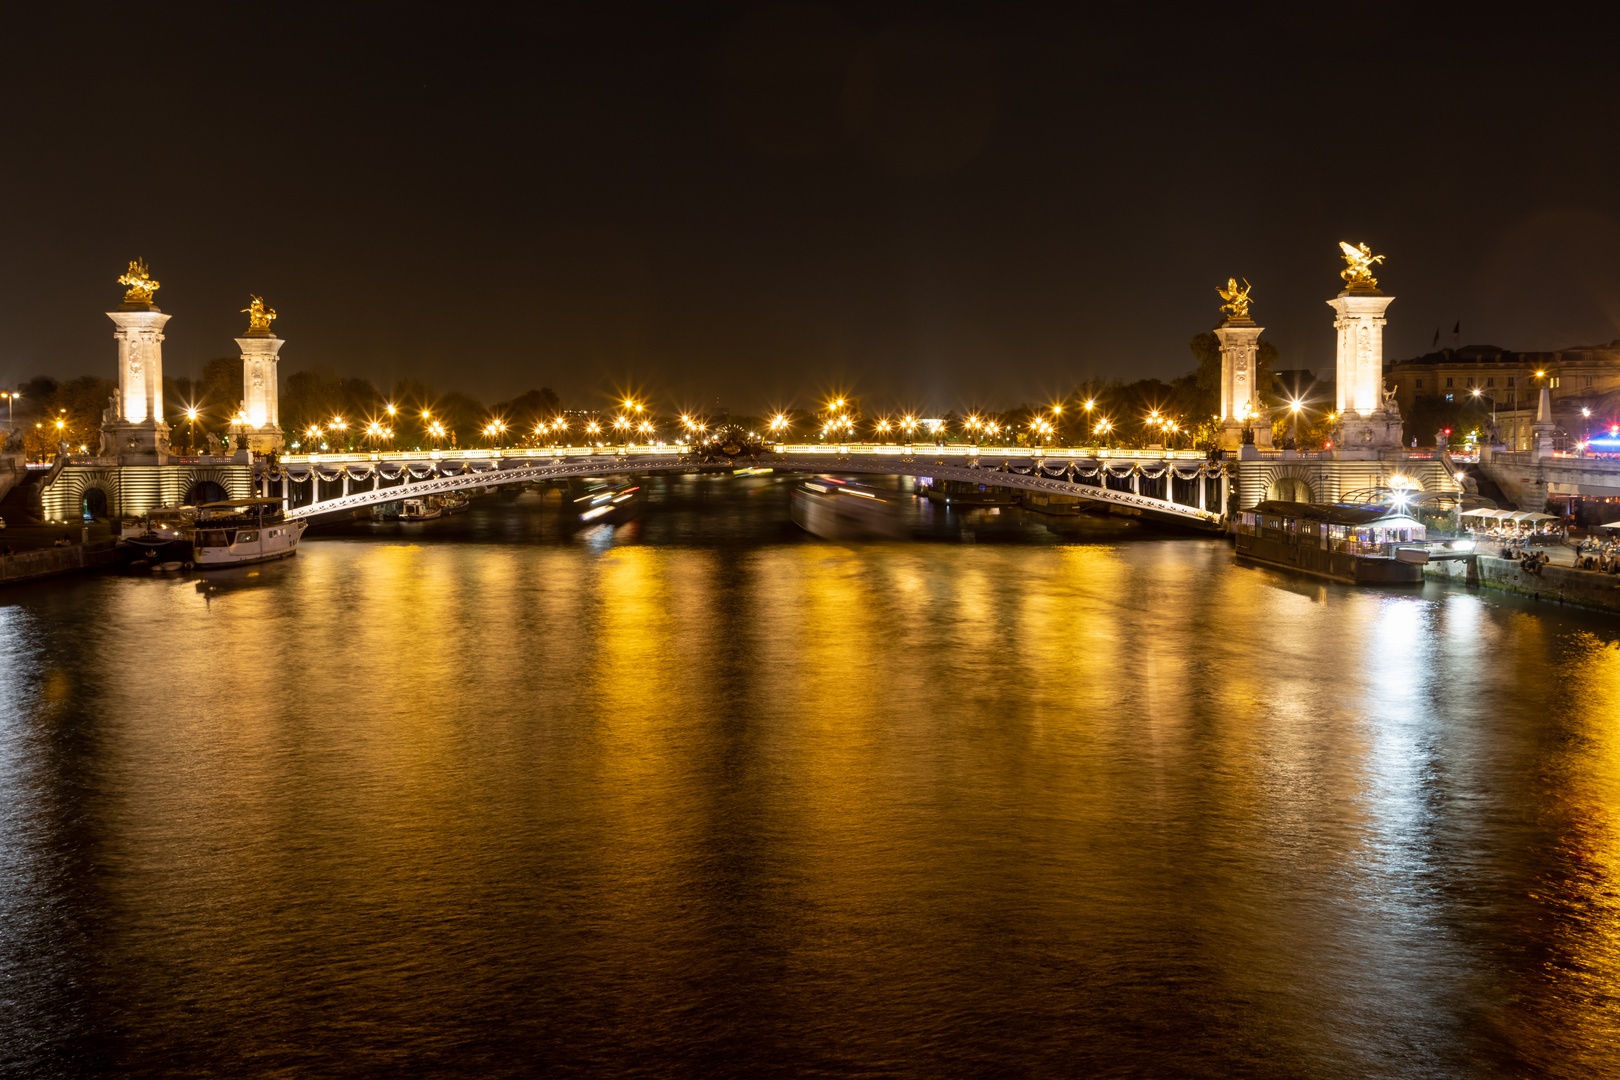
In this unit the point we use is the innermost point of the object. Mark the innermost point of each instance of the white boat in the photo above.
(241, 531)
(419, 510)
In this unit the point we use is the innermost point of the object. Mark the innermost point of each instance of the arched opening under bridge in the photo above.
(205, 491)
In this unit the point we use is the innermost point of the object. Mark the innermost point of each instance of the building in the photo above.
(1584, 382)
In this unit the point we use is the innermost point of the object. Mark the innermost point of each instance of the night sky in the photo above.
(932, 204)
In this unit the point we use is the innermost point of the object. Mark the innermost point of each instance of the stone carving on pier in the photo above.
(259, 316)
(1237, 300)
(139, 280)
(1358, 273)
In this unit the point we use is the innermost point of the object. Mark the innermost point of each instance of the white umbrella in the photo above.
(1479, 513)
(1538, 516)
(1610, 525)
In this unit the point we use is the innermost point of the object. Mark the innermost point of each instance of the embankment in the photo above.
(1558, 583)
(50, 562)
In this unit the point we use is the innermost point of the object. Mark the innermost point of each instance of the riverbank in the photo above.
(1563, 584)
(52, 562)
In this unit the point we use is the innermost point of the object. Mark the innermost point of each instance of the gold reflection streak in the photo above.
(1582, 1002)
(655, 634)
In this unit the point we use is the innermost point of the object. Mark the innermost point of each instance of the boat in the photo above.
(454, 502)
(165, 536)
(964, 493)
(611, 504)
(1358, 545)
(419, 510)
(839, 510)
(241, 531)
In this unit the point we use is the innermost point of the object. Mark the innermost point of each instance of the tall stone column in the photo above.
(1367, 423)
(1240, 384)
(261, 419)
(132, 427)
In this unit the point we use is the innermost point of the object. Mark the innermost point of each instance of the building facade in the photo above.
(1584, 382)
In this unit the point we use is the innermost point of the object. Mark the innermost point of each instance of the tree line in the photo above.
(323, 410)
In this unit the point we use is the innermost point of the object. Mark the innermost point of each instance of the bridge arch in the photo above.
(205, 491)
(1290, 489)
(95, 502)
(1119, 484)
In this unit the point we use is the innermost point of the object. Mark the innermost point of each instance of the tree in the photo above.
(528, 410)
(69, 412)
(220, 398)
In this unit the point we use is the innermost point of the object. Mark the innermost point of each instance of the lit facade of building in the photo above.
(1580, 378)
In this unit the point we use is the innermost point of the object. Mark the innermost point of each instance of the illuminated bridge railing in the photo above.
(950, 450)
(1133, 482)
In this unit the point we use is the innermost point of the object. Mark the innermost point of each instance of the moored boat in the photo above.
(241, 531)
(1358, 545)
(419, 510)
(165, 536)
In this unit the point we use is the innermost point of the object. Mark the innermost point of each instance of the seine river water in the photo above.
(702, 796)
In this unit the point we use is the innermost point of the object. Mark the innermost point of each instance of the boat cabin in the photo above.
(1361, 544)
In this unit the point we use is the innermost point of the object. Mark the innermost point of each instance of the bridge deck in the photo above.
(416, 476)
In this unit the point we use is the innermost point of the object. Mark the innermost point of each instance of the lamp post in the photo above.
(10, 396)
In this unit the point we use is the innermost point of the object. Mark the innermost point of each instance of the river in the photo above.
(702, 796)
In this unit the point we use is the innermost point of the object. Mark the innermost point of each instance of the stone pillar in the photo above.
(1366, 426)
(1240, 384)
(260, 397)
(1541, 432)
(133, 428)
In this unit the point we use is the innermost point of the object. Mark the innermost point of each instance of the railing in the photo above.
(966, 450)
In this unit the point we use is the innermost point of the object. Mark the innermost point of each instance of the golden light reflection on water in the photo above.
(912, 802)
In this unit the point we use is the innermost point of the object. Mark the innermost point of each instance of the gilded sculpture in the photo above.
(1358, 274)
(141, 285)
(259, 316)
(1237, 300)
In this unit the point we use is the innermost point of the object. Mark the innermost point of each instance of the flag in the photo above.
(1436, 344)
(1458, 328)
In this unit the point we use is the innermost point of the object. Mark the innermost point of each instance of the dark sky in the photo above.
(931, 204)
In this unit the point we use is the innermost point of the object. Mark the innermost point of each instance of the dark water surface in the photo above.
(703, 797)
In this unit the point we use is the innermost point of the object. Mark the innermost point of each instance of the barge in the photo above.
(1358, 545)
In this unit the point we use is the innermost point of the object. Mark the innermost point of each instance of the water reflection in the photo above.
(736, 804)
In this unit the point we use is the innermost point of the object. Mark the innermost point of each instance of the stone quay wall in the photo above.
(49, 562)
(1559, 583)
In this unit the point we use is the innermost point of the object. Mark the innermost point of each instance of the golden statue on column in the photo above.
(1237, 300)
(259, 316)
(1358, 274)
(139, 280)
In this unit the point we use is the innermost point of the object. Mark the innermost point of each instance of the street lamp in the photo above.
(1293, 423)
(10, 396)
